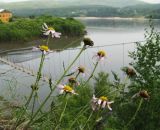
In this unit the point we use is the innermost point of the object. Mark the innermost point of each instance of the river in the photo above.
(115, 36)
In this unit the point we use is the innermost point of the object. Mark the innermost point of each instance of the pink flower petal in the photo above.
(35, 49)
(46, 33)
(60, 86)
(109, 107)
(45, 26)
(61, 91)
(57, 35)
(99, 101)
(104, 104)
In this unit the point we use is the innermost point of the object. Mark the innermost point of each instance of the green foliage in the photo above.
(26, 29)
(147, 59)
(146, 63)
(102, 85)
(1, 22)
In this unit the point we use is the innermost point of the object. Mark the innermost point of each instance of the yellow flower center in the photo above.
(67, 88)
(81, 69)
(103, 98)
(44, 48)
(50, 28)
(101, 53)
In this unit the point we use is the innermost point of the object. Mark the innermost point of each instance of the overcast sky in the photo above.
(152, 1)
(12, 0)
(149, 1)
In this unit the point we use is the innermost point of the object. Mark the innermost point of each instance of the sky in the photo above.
(149, 1)
(12, 0)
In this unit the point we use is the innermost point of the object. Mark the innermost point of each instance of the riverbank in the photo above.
(27, 29)
(114, 18)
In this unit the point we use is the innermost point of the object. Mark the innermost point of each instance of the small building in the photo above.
(5, 15)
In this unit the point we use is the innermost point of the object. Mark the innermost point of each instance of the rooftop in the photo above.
(4, 10)
(1, 10)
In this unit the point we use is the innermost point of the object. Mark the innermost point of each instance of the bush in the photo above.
(25, 29)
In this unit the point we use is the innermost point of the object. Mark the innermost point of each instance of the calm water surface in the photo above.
(103, 32)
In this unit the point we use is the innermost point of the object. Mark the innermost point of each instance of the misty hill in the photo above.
(74, 8)
(36, 4)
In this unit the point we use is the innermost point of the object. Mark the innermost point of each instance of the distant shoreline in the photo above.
(113, 18)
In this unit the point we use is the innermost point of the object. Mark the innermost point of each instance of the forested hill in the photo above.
(93, 11)
(76, 8)
(35, 4)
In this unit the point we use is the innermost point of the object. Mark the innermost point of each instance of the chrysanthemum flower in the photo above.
(101, 102)
(50, 31)
(100, 55)
(66, 89)
(88, 42)
(43, 48)
(143, 94)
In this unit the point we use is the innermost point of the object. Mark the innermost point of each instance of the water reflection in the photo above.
(118, 23)
(17, 53)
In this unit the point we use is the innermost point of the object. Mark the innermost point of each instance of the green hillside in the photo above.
(61, 3)
(76, 8)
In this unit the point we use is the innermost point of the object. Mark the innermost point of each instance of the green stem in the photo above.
(37, 79)
(40, 70)
(85, 108)
(77, 75)
(91, 74)
(46, 99)
(135, 114)
(29, 99)
(48, 40)
(88, 120)
(96, 117)
(33, 106)
(35, 85)
(60, 119)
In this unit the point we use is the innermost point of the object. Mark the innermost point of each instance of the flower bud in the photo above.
(88, 42)
(72, 80)
(144, 94)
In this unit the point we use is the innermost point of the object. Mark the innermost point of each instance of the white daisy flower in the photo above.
(42, 48)
(100, 55)
(50, 31)
(101, 102)
(66, 89)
